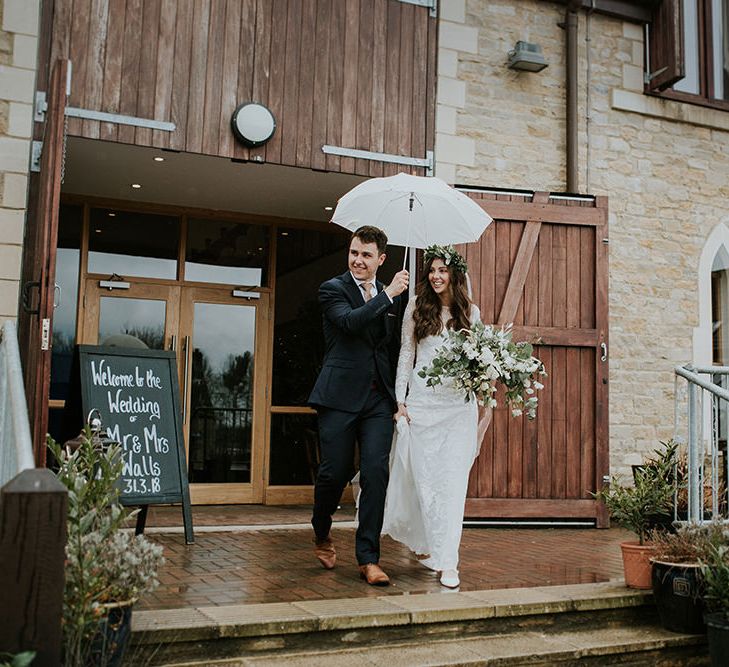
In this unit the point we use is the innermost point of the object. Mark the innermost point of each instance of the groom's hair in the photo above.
(370, 234)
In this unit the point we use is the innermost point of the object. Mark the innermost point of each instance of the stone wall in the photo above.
(663, 165)
(18, 54)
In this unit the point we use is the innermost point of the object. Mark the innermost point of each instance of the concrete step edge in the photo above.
(496, 649)
(261, 620)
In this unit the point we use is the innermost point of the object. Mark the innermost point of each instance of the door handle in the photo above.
(56, 290)
(186, 352)
(173, 343)
(25, 298)
(603, 348)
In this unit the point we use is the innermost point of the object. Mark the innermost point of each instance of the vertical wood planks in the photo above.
(358, 74)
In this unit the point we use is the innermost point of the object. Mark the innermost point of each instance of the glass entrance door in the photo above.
(220, 341)
(222, 351)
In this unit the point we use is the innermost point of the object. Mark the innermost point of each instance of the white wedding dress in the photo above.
(432, 456)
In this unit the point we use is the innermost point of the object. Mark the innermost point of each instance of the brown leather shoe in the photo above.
(372, 573)
(326, 553)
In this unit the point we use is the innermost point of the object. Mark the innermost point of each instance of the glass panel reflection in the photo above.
(133, 244)
(230, 253)
(132, 322)
(221, 408)
(70, 219)
(304, 259)
(294, 449)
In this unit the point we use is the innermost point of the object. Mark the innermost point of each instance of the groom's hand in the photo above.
(399, 284)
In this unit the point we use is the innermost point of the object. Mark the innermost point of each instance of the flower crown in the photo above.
(448, 254)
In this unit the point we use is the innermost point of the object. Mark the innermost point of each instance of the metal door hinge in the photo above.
(46, 334)
(426, 162)
(432, 5)
(36, 150)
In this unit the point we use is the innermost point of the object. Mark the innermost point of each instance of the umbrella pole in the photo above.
(405, 258)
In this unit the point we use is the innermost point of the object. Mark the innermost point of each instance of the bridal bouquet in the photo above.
(476, 358)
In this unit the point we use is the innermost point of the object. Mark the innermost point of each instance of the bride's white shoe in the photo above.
(449, 579)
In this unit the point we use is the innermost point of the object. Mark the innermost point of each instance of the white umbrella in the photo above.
(414, 211)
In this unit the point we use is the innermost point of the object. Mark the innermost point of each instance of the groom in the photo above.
(355, 396)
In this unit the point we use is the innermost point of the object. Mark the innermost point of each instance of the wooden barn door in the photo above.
(38, 288)
(542, 264)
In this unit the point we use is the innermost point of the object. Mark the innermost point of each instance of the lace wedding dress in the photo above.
(432, 456)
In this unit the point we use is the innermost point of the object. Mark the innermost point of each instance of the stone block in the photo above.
(12, 222)
(633, 31)
(452, 10)
(445, 119)
(451, 92)
(446, 172)
(21, 16)
(25, 51)
(458, 37)
(20, 121)
(354, 613)
(10, 257)
(14, 154)
(457, 150)
(447, 63)
(9, 299)
(16, 84)
(632, 78)
(14, 190)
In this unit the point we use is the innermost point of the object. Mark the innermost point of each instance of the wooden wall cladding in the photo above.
(352, 73)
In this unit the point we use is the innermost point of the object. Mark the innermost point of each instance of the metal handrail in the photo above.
(16, 446)
(696, 455)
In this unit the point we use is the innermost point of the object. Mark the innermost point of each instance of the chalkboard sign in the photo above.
(137, 395)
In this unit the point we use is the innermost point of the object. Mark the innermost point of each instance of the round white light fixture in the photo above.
(159, 158)
(253, 124)
(136, 186)
(328, 208)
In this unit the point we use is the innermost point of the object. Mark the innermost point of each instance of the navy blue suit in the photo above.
(355, 400)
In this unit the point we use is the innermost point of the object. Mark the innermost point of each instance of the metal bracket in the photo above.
(243, 294)
(36, 150)
(649, 76)
(41, 106)
(430, 4)
(426, 162)
(119, 119)
(46, 334)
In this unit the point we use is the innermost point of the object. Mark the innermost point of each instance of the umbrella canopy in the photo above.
(414, 211)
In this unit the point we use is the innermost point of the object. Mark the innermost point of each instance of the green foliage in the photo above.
(649, 499)
(104, 564)
(473, 360)
(18, 660)
(715, 574)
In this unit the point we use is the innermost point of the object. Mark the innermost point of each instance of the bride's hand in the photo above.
(402, 411)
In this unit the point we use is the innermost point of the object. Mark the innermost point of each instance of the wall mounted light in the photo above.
(527, 57)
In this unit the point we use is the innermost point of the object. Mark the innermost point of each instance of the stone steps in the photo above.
(586, 624)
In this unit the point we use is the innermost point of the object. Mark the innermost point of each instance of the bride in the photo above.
(436, 438)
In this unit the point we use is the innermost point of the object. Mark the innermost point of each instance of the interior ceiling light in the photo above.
(136, 186)
(284, 233)
(159, 159)
(112, 214)
(328, 208)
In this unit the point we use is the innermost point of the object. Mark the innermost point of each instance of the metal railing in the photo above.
(707, 460)
(16, 447)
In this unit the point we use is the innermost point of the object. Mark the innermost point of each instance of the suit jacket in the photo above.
(362, 344)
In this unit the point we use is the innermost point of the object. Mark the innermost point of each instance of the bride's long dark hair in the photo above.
(427, 314)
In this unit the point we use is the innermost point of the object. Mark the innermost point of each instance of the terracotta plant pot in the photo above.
(637, 564)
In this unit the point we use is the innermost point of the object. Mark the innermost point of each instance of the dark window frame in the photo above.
(706, 65)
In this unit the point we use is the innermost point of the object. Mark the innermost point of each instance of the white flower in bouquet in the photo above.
(475, 359)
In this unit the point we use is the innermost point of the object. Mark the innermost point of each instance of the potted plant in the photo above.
(676, 575)
(715, 575)
(107, 567)
(638, 507)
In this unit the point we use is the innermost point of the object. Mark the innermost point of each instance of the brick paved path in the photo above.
(256, 564)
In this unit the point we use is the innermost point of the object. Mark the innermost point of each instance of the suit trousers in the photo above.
(372, 427)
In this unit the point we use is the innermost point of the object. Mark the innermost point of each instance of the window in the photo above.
(689, 51)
